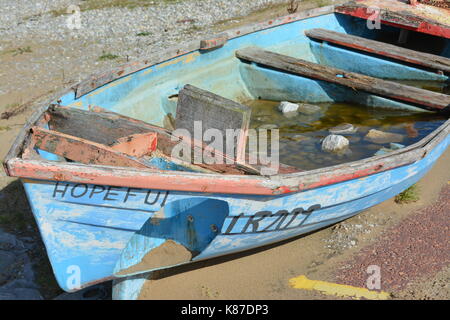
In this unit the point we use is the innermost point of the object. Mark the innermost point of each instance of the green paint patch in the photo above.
(408, 196)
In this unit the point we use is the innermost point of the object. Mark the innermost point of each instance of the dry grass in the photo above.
(108, 56)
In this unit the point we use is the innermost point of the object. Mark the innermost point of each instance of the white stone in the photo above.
(287, 107)
(334, 143)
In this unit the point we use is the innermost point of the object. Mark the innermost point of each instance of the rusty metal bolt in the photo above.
(190, 218)
(214, 228)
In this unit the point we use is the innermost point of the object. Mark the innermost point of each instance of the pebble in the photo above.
(345, 128)
(288, 107)
(20, 294)
(381, 137)
(7, 261)
(396, 146)
(7, 240)
(392, 147)
(268, 126)
(305, 108)
(299, 137)
(335, 143)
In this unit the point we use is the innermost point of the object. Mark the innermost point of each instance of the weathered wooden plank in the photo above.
(437, 63)
(107, 127)
(212, 111)
(101, 127)
(137, 145)
(166, 142)
(81, 150)
(400, 14)
(419, 97)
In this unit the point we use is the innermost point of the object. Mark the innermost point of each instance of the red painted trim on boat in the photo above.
(146, 179)
(171, 180)
(424, 26)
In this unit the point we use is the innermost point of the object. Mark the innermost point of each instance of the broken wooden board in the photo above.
(431, 61)
(101, 127)
(106, 127)
(213, 112)
(420, 17)
(419, 97)
(137, 145)
(81, 150)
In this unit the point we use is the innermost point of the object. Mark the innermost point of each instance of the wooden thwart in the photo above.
(81, 150)
(101, 127)
(421, 59)
(419, 97)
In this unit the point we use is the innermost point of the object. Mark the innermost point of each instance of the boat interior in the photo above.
(328, 60)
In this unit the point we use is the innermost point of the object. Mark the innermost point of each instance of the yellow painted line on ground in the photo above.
(340, 290)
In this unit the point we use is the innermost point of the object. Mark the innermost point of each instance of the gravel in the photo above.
(60, 54)
(416, 247)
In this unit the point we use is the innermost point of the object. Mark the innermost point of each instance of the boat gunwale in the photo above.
(205, 182)
(218, 183)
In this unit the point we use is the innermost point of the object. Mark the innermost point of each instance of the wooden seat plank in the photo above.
(426, 60)
(81, 150)
(419, 97)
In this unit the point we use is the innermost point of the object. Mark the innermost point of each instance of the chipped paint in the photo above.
(109, 86)
(78, 104)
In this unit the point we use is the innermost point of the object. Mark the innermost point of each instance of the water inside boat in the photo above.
(301, 135)
(436, 86)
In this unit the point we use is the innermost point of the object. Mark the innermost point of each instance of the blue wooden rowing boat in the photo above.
(103, 222)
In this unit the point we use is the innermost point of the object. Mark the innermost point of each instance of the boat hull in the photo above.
(95, 232)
